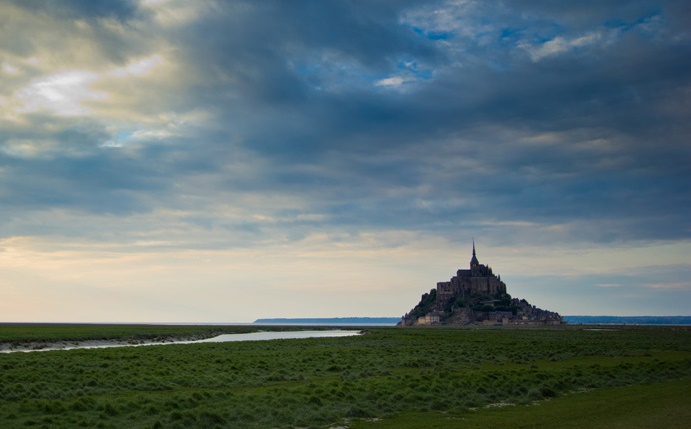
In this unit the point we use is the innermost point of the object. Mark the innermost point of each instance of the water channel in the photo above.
(225, 338)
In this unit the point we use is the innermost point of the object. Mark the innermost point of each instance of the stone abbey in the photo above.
(479, 279)
(476, 296)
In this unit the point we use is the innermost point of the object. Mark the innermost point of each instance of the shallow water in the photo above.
(225, 338)
(277, 335)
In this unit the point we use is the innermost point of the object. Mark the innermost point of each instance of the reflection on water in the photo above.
(225, 338)
(277, 335)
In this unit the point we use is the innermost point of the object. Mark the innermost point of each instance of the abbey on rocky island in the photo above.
(476, 296)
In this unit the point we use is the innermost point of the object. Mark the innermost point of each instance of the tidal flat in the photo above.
(390, 377)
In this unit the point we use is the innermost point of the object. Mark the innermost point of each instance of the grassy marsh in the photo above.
(386, 374)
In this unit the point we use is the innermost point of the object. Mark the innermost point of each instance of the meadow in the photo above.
(389, 377)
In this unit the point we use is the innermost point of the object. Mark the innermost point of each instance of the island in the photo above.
(476, 296)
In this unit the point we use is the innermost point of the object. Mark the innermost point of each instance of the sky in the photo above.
(222, 161)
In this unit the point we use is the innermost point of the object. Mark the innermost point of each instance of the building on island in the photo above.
(479, 279)
(476, 296)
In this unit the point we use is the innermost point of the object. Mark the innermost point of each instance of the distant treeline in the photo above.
(331, 321)
(629, 320)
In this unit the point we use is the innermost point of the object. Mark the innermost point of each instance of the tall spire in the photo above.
(474, 262)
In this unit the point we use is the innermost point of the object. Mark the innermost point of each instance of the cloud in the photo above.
(391, 81)
(80, 9)
(234, 124)
(674, 285)
(559, 45)
(60, 94)
(551, 143)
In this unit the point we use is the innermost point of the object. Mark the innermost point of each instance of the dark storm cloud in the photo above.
(619, 91)
(402, 115)
(272, 56)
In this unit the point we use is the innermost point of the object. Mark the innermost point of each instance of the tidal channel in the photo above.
(225, 338)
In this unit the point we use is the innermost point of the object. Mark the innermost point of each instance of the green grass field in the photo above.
(391, 377)
(656, 405)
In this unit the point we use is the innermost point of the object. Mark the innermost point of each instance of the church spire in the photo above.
(474, 262)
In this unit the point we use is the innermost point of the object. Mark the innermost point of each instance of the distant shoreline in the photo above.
(390, 321)
(359, 321)
(628, 320)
